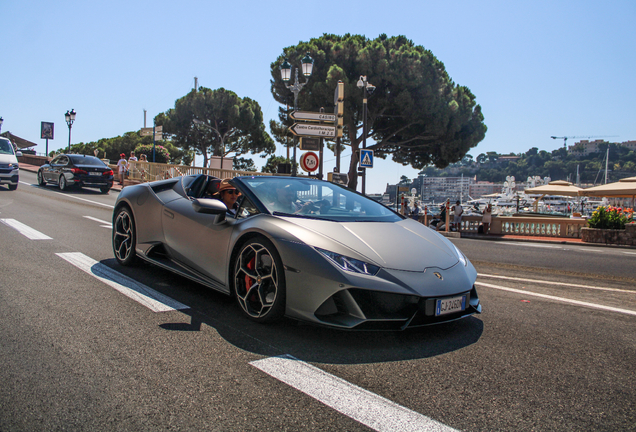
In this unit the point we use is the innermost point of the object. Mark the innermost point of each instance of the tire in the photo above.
(104, 189)
(13, 187)
(41, 180)
(63, 183)
(259, 281)
(124, 237)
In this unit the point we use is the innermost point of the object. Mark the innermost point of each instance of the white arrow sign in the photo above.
(312, 116)
(313, 130)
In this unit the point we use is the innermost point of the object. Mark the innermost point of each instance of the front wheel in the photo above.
(124, 237)
(13, 187)
(63, 183)
(41, 180)
(259, 281)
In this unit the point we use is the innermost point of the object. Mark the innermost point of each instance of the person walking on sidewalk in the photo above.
(121, 167)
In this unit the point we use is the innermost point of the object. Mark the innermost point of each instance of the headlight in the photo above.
(350, 264)
(15, 166)
(461, 256)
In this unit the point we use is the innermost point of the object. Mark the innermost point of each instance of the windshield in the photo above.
(6, 147)
(302, 197)
(87, 160)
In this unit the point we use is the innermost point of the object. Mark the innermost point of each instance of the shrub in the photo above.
(610, 218)
(161, 153)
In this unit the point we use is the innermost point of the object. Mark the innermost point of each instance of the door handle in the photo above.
(168, 213)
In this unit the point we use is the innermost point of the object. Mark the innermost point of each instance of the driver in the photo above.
(228, 194)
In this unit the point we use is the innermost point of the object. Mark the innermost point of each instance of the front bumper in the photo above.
(9, 176)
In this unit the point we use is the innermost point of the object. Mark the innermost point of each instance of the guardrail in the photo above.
(560, 227)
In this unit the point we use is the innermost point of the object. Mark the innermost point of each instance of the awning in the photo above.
(20, 143)
(624, 188)
(557, 187)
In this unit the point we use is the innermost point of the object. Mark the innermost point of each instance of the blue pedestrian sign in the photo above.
(366, 158)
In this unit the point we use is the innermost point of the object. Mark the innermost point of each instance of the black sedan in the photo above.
(68, 170)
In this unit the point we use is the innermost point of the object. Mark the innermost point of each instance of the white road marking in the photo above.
(139, 292)
(87, 200)
(371, 410)
(25, 183)
(25, 230)
(104, 223)
(535, 245)
(560, 299)
(557, 283)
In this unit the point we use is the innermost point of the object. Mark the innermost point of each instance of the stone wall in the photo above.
(610, 236)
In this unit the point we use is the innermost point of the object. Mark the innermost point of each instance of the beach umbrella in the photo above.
(624, 188)
(557, 187)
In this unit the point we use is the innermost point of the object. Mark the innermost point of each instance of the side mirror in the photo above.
(210, 206)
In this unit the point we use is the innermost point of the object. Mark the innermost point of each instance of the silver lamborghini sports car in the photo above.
(297, 247)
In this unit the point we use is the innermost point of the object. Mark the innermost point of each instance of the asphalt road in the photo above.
(553, 350)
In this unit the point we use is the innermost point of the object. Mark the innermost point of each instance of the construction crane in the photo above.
(565, 138)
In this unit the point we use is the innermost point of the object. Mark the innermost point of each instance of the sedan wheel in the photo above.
(41, 181)
(124, 238)
(259, 281)
(63, 183)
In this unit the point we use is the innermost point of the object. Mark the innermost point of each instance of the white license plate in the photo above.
(450, 305)
(94, 173)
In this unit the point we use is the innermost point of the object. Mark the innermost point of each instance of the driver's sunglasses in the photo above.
(232, 191)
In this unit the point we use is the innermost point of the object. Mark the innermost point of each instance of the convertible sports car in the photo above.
(304, 248)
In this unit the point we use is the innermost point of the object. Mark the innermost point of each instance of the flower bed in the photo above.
(611, 225)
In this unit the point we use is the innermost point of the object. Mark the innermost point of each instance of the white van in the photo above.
(9, 168)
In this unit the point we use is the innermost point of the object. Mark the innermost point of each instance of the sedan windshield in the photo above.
(286, 196)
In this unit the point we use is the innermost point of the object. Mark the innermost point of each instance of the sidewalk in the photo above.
(490, 237)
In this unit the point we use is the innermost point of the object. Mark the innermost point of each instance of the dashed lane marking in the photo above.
(104, 223)
(139, 292)
(25, 230)
(371, 410)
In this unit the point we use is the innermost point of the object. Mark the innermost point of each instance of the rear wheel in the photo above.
(124, 237)
(259, 281)
(63, 183)
(41, 180)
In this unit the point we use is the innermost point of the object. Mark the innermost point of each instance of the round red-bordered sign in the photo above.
(309, 161)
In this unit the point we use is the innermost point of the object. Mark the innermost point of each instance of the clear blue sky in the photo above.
(537, 68)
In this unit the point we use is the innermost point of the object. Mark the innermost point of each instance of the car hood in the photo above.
(8, 158)
(406, 245)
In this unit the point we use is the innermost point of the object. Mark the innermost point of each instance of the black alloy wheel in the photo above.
(124, 237)
(41, 180)
(63, 183)
(259, 281)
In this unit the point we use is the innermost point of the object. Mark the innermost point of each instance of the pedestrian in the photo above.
(121, 167)
(486, 218)
(442, 217)
(415, 213)
(458, 211)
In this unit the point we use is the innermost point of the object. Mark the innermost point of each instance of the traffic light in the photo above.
(338, 101)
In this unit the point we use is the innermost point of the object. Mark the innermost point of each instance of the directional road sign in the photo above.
(301, 129)
(312, 116)
(366, 158)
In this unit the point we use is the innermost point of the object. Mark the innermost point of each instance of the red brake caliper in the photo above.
(248, 280)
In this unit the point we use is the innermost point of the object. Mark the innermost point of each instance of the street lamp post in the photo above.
(366, 88)
(1, 121)
(307, 64)
(70, 118)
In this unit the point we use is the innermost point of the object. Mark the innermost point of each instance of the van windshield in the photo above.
(6, 147)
